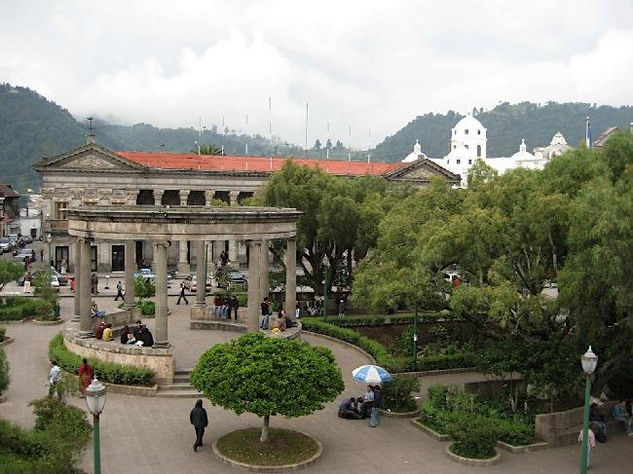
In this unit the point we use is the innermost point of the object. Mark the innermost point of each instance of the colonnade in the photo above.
(258, 283)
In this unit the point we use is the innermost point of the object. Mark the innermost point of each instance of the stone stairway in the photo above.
(181, 388)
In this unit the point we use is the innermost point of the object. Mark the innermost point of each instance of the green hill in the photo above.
(32, 127)
(507, 124)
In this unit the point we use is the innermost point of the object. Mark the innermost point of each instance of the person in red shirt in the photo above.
(85, 376)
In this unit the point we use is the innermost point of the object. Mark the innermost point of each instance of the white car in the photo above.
(54, 281)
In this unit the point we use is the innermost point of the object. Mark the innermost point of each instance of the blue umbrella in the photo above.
(371, 374)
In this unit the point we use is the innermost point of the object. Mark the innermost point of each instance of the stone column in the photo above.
(77, 316)
(263, 271)
(199, 309)
(160, 249)
(234, 253)
(158, 196)
(130, 266)
(208, 197)
(183, 264)
(253, 310)
(233, 195)
(85, 296)
(291, 277)
(184, 194)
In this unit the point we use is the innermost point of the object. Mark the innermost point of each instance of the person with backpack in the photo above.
(199, 420)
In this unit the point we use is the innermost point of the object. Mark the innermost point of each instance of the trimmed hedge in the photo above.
(3, 331)
(379, 320)
(106, 371)
(379, 352)
(21, 307)
(4, 371)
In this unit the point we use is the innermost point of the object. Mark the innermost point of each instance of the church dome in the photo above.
(416, 154)
(523, 154)
(558, 139)
(469, 125)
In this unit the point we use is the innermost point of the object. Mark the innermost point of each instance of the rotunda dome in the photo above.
(416, 154)
(523, 154)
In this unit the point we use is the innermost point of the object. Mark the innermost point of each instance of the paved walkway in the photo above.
(153, 435)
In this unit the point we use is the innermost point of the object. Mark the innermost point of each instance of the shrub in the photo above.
(4, 371)
(105, 371)
(147, 308)
(474, 437)
(57, 442)
(397, 393)
(3, 331)
(16, 308)
(11, 313)
(144, 287)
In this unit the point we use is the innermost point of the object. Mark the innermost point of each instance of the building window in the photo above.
(61, 210)
(479, 150)
(466, 131)
(459, 161)
(466, 146)
(470, 162)
(448, 162)
(454, 146)
(196, 198)
(478, 132)
(145, 197)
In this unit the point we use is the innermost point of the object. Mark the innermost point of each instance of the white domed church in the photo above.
(468, 144)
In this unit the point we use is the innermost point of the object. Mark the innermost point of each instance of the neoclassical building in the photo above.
(92, 175)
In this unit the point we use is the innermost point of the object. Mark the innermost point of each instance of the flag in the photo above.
(588, 134)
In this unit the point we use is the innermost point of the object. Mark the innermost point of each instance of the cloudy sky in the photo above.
(360, 64)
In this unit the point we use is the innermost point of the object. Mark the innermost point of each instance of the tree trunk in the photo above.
(264, 437)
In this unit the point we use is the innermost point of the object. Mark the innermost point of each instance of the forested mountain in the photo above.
(507, 124)
(32, 127)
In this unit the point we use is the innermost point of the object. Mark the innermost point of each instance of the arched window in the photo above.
(466, 146)
(459, 161)
(479, 150)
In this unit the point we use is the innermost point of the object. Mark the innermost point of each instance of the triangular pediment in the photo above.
(421, 170)
(88, 157)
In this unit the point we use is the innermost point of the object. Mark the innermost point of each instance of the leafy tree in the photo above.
(341, 217)
(317, 145)
(9, 271)
(267, 377)
(328, 144)
(48, 293)
(144, 288)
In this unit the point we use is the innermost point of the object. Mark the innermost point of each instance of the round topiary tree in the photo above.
(268, 376)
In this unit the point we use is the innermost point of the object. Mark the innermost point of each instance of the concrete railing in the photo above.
(561, 428)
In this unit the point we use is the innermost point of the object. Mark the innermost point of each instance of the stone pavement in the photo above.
(153, 435)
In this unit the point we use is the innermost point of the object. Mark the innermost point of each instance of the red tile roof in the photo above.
(251, 163)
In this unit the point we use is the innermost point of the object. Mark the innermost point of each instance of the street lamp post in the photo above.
(324, 292)
(589, 361)
(95, 399)
(49, 239)
(415, 338)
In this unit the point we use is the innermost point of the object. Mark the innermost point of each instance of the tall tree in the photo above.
(268, 376)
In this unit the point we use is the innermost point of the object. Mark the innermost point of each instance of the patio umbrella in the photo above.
(371, 374)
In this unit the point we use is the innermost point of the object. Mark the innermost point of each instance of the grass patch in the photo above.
(284, 447)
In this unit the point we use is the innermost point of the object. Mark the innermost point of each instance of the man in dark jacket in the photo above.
(199, 420)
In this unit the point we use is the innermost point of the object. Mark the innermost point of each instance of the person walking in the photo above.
(119, 291)
(376, 407)
(85, 376)
(41, 255)
(199, 420)
(265, 306)
(27, 282)
(94, 283)
(182, 294)
(54, 376)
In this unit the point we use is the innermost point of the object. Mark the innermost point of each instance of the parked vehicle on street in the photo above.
(63, 280)
(5, 245)
(20, 255)
(149, 274)
(191, 283)
(229, 277)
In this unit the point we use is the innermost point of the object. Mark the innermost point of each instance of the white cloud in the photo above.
(367, 64)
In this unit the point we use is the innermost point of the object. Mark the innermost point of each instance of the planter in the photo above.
(526, 448)
(496, 459)
(283, 468)
(404, 414)
(48, 323)
(430, 431)
(14, 321)
(7, 340)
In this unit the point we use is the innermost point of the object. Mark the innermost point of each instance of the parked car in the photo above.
(25, 239)
(191, 283)
(234, 277)
(20, 255)
(63, 280)
(148, 273)
(5, 245)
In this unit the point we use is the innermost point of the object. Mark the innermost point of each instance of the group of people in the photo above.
(224, 306)
(140, 335)
(367, 405)
(280, 323)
